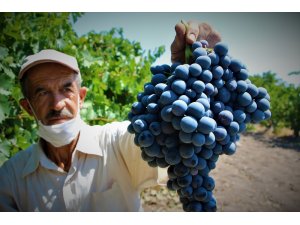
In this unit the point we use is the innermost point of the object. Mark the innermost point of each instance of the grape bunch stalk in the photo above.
(190, 114)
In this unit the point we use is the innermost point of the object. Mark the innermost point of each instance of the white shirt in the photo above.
(107, 174)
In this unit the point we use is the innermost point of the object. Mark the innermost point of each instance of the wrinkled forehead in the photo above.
(49, 72)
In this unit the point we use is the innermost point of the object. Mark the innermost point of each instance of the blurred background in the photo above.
(264, 41)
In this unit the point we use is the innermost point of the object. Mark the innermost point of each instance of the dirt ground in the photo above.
(262, 176)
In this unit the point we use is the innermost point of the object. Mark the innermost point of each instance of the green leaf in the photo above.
(4, 92)
(7, 71)
(4, 148)
(4, 108)
(3, 52)
(6, 82)
(3, 158)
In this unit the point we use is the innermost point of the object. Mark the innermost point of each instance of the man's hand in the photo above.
(187, 34)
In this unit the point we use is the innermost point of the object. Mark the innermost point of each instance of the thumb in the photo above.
(178, 45)
(192, 32)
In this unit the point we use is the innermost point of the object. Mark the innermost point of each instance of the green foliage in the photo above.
(113, 69)
(285, 102)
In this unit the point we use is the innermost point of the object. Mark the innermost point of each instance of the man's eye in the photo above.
(42, 93)
(67, 89)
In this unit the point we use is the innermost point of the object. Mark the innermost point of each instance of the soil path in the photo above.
(262, 176)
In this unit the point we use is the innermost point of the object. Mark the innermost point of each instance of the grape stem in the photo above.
(187, 51)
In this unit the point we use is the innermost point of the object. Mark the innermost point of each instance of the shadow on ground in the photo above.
(285, 142)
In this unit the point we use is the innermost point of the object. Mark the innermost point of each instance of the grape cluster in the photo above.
(189, 114)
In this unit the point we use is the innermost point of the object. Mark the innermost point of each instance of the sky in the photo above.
(262, 41)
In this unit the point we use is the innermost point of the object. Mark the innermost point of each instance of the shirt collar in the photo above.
(88, 143)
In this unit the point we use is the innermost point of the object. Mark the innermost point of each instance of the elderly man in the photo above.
(74, 166)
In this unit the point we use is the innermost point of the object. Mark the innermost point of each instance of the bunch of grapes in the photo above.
(190, 114)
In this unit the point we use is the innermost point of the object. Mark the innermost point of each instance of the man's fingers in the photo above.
(213, 38)
(178, 45)
(192, 32)
(207, 33)
(179, 41)
(188, 33)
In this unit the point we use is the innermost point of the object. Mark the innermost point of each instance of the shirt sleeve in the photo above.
(141, 173)
(7, 203)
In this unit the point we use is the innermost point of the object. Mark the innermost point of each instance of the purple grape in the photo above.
(206, 76)
(197, 181)
(262, 92)
(204, 43)
(145, 139)
(217, 72)
(182, 72)
(252, 90)
(257, 116)
(204, 61)
(199, 52)
(198, 86)
(153, 150)
(242, 86)
(200, 194)
(263, 104)
(158, 78)
(186, 151)
(209, 89)
(244, 99)
(221, 48)
(242, 74)
(191, 162)
(185, 98)
(225, 61)
(214, 58)
(178, 86)
(233, 128)
(195, 109)
(206, 125)
(184, 181)
(167, 97)
(239, 116)
(179, 107)
(188, 124)
(185, 137)
(229, 149)
(220, 133)
(195, 70)
(172, 157)
(225, 117)
(166, 113)
(198, 139)
(140, 125)
(208, 183)
(160, 88)
(180, 170)
(235, 65)
(210, 138)
(196, 44)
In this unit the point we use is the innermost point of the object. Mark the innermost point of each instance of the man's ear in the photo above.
(82, 94)
(25, 104)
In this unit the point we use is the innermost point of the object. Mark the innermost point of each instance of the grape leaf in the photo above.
(4, 108)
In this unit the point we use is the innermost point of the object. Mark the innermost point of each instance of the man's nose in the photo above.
(58, 102)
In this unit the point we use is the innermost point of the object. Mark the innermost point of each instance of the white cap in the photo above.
(48, 55)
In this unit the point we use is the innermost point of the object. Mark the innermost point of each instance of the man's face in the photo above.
(53, 93)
